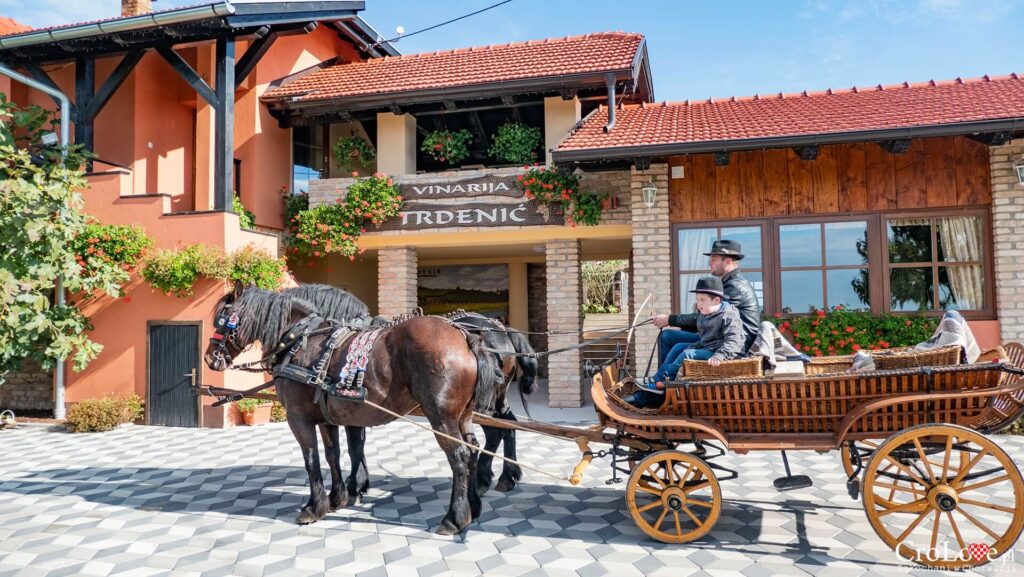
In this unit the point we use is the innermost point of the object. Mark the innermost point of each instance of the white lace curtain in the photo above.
(961, 241)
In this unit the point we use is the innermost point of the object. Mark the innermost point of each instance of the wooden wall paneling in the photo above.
(880, 176)
(801, 184)
(727, 189)
(940, 171)
(751, 174)
(853, 188)
(775, 168)
(911, 180)
(826, 181)
(703, 203)
(680, 193)
(972, 172)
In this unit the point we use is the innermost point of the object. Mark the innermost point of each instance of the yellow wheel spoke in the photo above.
(945, 460)
(896, 487)
(935, 529)
(911, 507)
(696, 488)
(698, 503)
(664, 513)
(978, 524)
(912, 526)
(924, 457)
(956, 530)
(1002, 508)
(984, 483)
(967, 468)
(903, 468)
(693, 517)
(651, 474)
(649, 490)
(648, 506)
(679, 526)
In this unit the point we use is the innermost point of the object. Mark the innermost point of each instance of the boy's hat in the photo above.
(729, 248)
(711, 285)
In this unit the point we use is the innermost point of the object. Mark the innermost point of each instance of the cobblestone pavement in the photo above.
(202, 502)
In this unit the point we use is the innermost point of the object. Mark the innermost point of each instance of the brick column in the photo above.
(651, 266)
(1008, 238)
(396, 281)
(565, 302)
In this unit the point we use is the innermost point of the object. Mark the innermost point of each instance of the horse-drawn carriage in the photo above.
(911, 435)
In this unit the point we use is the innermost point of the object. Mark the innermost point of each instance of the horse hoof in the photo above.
(481, 489)
(505, 485)
(447, 528)
(306, 518)
(339, 502)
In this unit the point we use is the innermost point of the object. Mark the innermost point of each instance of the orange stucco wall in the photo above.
(157, 127)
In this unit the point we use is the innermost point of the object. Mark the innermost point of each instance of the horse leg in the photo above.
(510, 472)
(484, 473)
(337, 498)
(356, 437)
(317, 506)
(475, 504)
(460, 513)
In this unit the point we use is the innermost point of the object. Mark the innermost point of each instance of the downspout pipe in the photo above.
(65, 138)
(610, 83)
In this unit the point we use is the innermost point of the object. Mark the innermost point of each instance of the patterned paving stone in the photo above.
(145, 501)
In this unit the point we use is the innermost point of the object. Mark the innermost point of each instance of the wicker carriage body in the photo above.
(822, 411)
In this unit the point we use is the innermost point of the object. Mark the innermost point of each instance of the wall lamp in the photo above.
(650, 193)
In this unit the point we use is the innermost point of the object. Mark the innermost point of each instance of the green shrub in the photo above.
(246, 217)
(447, 146)
(110, 245)
(842, 331)
(176, 272)
(335, 228)
(277, 413)
(248, 405)
(352, 149)
(105, 414)
(515, 142)
(253, 266)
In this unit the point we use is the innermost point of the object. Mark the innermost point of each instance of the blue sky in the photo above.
(702, 49)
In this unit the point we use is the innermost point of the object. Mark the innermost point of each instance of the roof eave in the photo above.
(737, 145)
(384, 100)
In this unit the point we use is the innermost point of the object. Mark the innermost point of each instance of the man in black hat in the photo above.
(720, 332)
(723, 261)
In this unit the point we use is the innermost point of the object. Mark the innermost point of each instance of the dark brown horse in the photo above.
(424, 361)
(518, 367)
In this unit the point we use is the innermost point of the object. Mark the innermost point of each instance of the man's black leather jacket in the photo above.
(740, 294)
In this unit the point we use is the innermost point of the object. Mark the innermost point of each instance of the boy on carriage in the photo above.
(721, 338)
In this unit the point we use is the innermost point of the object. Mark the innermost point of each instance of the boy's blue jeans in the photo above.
(667, 371)
(668, 339)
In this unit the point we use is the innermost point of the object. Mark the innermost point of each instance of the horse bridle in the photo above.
(225, 330)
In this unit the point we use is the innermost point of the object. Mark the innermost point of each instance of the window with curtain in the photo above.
(935, 263)
(691, 264)
(822, 265)
(309, 156)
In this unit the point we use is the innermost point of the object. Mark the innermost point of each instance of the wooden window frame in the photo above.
(878, 258)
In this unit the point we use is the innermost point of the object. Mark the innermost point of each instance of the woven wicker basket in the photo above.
(829, 365)
(748, 367)
(908, 360)
(993, 355)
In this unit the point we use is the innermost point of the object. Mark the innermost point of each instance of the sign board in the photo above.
(484, 185)
(419, 216)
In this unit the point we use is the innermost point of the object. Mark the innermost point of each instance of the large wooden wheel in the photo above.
(944, 496)
(673, 496)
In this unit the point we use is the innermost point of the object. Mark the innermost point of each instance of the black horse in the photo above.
(424, 361)
(340, 305)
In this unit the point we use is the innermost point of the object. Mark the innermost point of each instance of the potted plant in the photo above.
(558, 188)
(447, 146)
(352, 150)
(609, 202)
(515, 143)
(254, 411)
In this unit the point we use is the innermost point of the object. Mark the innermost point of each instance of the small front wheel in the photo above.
(673, 496)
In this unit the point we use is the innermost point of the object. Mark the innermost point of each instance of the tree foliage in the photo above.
(41, 220)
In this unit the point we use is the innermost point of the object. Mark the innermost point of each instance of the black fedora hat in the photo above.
(729, 248)
(711, 285)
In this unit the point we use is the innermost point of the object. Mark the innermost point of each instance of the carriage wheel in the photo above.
(944, 496)
(673, 496)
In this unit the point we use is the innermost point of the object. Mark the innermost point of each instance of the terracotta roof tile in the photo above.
(10, 26)
(822, 112)
(598, 52)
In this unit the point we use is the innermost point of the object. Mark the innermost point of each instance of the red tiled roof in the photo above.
(5, 32)
(11, 26)
(598, 52)
(828, 112)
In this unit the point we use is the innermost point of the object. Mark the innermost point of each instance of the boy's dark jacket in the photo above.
(740, 294)
(721, 332)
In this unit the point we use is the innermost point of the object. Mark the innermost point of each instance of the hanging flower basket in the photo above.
(446, 146)
(352, 151)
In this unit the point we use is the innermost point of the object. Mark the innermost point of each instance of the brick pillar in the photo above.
(565, 302)
(1008, 238)
(396, 281)
(537, 301)
(651, 265)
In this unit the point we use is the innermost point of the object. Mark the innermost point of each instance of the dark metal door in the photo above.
(173, 360)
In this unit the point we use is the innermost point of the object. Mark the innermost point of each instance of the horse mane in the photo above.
(529, 365)
(265, 315)
(332, 302)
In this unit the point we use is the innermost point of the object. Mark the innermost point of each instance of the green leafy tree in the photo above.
(41, 220)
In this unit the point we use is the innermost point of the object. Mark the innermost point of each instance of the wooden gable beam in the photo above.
(37, 72)
(188, 74)
(113, 82)
(247, 63)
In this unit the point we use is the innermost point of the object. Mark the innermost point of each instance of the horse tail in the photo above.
(489, 375)
(528, 366)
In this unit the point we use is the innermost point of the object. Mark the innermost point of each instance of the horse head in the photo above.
(224, 345)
